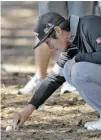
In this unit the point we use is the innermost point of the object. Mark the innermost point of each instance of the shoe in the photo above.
(95, 126)
(87, 124)
(29, 87)
(66, 87)
(3, 71)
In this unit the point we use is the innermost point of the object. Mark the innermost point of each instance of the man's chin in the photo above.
(62, 49)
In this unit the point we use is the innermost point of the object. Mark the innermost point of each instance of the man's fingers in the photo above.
(15, 124)
(16, 120)
(20, 124)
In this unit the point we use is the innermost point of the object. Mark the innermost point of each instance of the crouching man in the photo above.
(79, 39)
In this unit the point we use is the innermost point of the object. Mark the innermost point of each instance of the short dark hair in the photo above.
(65, 25)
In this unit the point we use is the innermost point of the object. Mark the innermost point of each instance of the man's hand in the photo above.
(20, 118)
(70, 64)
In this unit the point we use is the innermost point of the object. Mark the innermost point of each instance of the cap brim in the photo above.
(39, 43)
(42, 40)
(60, 20)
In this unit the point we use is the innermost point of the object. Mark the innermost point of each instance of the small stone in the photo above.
(91, 128)
(9, 128)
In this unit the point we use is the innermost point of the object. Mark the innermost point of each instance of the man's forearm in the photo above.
(46, 89)
(27, 111)
(93, 57)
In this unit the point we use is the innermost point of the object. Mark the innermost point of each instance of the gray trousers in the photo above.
(86, 77)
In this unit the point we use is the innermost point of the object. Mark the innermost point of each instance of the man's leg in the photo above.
(42, 57)
(86, 77)
(80, 8)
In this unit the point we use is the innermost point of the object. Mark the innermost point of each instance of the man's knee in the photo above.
(78, 73)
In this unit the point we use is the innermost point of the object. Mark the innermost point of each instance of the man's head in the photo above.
(53, 29)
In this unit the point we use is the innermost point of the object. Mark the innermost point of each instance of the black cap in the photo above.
(45, 25)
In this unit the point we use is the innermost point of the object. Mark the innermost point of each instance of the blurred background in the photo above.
(17, 40)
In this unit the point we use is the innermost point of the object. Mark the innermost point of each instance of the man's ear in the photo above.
(58, 31)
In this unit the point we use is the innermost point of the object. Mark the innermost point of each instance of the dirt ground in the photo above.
(57, 119)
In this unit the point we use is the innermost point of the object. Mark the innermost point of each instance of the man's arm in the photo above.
(91, 35)
(94, 57)
(42, 93)
(46, 88)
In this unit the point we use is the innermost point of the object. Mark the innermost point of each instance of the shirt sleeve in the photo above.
(46, 88)
(91, 34)
(94, 57)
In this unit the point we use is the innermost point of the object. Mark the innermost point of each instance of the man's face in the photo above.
(61, 41)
